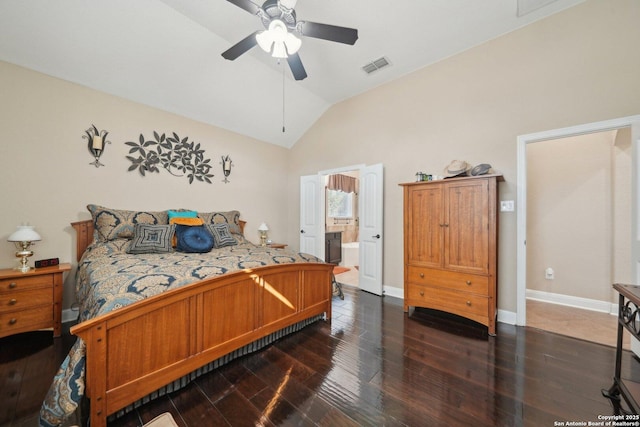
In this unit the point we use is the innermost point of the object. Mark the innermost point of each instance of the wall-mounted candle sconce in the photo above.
(226, 167)
(96, 143)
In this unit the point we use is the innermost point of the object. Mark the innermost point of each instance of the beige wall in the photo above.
(621, 210)
(570, 223)
(579, 214)
(46, 179)
(578, 66)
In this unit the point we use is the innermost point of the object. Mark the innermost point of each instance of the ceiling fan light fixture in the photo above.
(279, 50)
(293, 43)
(281, 36)
(265, 40)
(278, 41)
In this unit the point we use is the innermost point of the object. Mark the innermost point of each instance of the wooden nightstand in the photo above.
(277, 245)
(32, 300)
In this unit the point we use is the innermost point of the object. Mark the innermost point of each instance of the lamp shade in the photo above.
(24, 233)
(263, 227)
(278, 41)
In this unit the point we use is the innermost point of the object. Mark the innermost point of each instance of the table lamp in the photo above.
(263, 234)
(23, 238)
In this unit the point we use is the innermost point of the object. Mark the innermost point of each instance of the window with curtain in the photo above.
(340, 192)
(339, 204)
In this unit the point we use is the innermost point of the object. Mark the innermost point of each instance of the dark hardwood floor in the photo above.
(371, 366)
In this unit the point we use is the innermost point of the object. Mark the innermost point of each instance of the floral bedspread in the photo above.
(108, 278)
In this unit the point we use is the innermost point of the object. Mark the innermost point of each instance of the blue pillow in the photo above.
(182, 214)
(193, 239)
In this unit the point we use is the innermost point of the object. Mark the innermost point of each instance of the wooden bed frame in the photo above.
(135, 350)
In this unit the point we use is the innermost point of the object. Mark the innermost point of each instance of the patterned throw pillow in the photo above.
(232, 218)
(110, 224)
(193, 239)
(151, 239)
(221, 235)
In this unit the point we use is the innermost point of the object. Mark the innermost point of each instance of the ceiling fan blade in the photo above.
(241, 47)
(247, 5)
(296, 67)
(328, 32)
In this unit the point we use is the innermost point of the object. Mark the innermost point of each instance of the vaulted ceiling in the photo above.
(167, 53)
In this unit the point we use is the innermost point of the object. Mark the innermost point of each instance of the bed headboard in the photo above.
(84, 235)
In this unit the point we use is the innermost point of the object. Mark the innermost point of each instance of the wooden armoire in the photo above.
(450, 246)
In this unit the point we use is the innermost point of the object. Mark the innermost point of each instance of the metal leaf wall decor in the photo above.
(176, 155)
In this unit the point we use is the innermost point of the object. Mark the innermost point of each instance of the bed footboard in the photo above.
(137, 349)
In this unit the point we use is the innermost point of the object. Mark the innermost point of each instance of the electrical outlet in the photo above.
(507, 206)
(549, 273)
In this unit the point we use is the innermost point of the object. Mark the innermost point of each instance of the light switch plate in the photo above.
(507, 206)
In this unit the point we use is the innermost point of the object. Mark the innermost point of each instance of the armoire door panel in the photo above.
(427, 231)
(467, 230)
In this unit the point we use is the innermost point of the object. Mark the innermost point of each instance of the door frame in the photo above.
(360, 168)
(632, 122)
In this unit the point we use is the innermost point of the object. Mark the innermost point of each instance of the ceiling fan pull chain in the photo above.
(282, 96)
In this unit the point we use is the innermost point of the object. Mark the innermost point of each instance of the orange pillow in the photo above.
(184, 221)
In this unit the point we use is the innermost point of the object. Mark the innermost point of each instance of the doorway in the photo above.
(341, 225)
(370, 221)
(632, 122)
(578, 223)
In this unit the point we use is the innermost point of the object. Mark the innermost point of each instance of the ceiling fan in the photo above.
(279, 37)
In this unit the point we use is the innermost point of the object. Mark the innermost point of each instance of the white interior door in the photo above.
(370, 230)
(312, 216)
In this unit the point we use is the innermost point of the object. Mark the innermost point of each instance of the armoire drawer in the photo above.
(448, 279)
(448, 300)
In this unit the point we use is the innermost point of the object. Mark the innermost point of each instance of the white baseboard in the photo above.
(392, 291)
(572, 301)
(69, 315)
(508, 317)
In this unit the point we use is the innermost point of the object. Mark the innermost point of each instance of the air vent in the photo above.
(376, 65)
(528, 6)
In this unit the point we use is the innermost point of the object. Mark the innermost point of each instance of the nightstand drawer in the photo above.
(448, 279)
(27, 282)
(21, 300)
(26, 320)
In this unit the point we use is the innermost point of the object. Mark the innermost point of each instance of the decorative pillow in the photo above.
(193, 239)
(231, 217)
(110, 224)
(151, 239)
(221, 235)
(186, 221)
(181, 214)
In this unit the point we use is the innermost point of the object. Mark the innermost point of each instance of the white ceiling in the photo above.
(166, 53)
